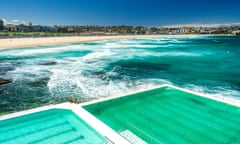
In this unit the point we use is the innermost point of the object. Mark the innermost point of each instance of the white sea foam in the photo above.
(219, 92)
(98, 54)
(63, 83)
(144, 53)
(43, 50)
(178, 41)
(70, 80)
(129, 42)
(89, 75)
(125, 45)
(178, 54)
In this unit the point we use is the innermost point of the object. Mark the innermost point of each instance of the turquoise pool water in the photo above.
(170, 116)
(48, 127)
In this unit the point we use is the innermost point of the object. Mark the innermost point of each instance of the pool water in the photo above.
(169, 116)
(54, 126)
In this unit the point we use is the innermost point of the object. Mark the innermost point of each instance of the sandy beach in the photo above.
(28, 42)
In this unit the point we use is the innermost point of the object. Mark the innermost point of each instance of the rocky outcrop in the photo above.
(4, 81)
(49, 63)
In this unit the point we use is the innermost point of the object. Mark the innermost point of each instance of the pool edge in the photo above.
(225, 100)
(105, 131)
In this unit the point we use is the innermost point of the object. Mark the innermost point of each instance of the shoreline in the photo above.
(10, 43)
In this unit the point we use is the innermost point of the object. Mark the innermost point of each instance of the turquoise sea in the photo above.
(52, 74)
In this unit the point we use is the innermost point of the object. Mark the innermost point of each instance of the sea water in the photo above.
(53, 74)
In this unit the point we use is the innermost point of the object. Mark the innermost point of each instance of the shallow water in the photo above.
(52, 74)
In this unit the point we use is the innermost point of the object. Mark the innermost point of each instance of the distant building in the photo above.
(237, 32)
(22, 28)
(11, 27)
(30, 27)
(1, 24)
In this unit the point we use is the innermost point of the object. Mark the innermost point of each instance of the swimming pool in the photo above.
(49, 127)
(167, 115)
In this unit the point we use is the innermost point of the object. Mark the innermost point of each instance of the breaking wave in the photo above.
(106, 68)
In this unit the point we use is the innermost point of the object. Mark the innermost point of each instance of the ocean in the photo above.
(84, 71)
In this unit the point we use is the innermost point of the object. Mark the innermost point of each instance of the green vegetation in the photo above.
(29, 33)
(38, 30)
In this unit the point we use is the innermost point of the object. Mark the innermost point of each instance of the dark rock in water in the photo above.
(3, 81)
(49, 63)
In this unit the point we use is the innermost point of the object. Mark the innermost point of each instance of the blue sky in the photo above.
(118, 12)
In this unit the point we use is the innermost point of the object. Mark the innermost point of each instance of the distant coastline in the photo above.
(7, 43)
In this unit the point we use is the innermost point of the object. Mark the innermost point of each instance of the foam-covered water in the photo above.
(53, 74)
